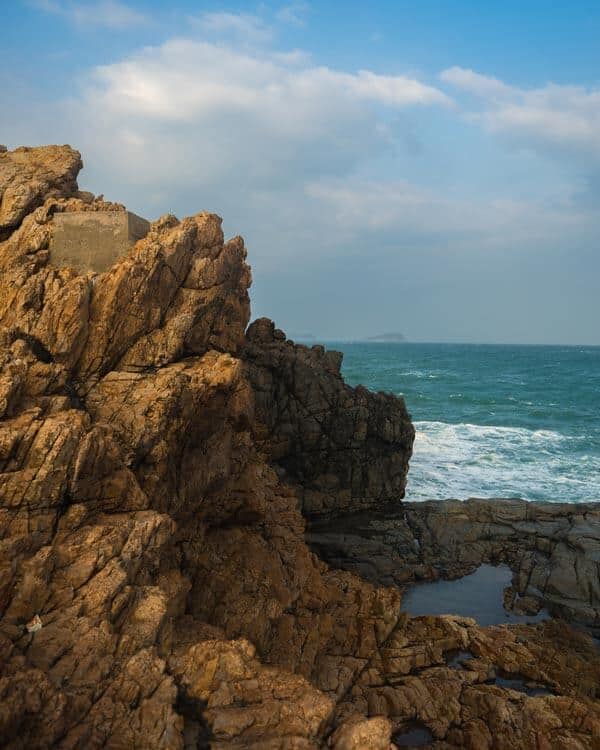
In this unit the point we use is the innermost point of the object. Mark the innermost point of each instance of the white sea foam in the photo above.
(429, 374)
(468, 460)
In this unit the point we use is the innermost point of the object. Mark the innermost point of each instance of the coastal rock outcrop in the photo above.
(343, 448)
(158, 553)
(156, 590)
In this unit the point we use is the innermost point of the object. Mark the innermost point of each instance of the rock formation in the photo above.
(156, 590)
(28, 176)
(343, 448)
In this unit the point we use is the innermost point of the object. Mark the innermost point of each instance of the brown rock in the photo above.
(342, 448)
(28, 176)
(357, 733)
(139, 519)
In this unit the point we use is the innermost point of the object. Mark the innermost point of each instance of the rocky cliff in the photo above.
(156, 455)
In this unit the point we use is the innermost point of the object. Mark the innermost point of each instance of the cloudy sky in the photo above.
(430, 167)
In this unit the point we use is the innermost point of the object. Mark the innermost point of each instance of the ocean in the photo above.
(492, 421)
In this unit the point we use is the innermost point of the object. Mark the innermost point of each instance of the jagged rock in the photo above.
(357, 733)
(343, 448)
(154, 460)
(134, 495)
(246, 703)
(466, 708)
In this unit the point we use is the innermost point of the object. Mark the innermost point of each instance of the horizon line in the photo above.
(359, 340)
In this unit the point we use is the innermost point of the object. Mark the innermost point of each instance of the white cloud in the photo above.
(198, 112)
(293, 13)
(404, 210)
(555, 119)
(395, 91)
(184, 79)
(111, 14)
(244, 27)
(278, 143)
(280, 146)
(475, 83)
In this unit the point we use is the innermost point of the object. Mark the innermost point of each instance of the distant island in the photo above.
(387, 338)
(302, 336)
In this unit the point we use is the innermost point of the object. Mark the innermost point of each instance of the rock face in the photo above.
(343, 448)
(28, 176)
(140, 521)
(156, 590)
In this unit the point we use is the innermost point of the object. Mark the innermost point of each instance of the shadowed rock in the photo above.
(342, 448)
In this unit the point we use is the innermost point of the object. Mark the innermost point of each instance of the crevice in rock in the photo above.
(455, 658)
(36, 346)
(530, 688)
(196, 732)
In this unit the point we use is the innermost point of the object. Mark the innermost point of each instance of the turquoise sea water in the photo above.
(492, 421)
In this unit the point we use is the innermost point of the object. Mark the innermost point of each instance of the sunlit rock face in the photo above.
(156, 590)
(29, 176)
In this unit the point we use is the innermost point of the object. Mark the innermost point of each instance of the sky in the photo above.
(428, 167)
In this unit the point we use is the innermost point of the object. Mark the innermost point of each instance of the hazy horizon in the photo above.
(365, 340)
(429, 167)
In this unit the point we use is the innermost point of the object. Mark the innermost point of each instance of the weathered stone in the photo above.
(139, 517)
(29, 176)
(342, 448)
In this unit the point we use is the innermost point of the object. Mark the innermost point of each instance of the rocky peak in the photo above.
(28, 176)
(145, 532)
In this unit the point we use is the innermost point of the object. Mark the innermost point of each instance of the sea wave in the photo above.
(429, 374)
(470, 460)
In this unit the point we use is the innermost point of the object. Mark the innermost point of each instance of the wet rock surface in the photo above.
(553, 549)
(480, 595)
(156, 590)
(413, 734)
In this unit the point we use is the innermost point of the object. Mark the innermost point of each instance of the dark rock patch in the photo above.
(414, 734)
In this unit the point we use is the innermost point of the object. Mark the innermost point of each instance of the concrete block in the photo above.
(94, 240)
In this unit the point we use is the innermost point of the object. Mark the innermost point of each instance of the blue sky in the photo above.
(425, 167)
